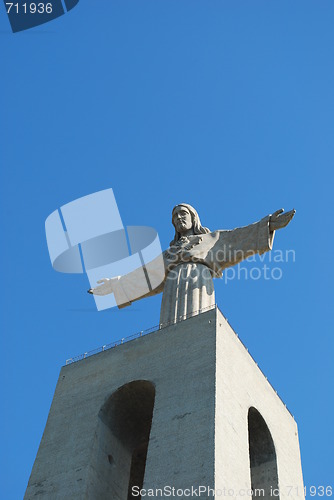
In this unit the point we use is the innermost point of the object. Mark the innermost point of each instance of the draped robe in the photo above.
(189, 266)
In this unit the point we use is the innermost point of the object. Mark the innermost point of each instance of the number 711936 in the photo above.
(32, 8)
(312, 491)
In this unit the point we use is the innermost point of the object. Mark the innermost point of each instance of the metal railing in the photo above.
(159, 327)
(153, 329)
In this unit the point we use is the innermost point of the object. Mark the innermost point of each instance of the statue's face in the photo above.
(182, 219)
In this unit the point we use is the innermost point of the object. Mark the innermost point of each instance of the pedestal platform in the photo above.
(183, 407)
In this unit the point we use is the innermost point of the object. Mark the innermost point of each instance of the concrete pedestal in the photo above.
(187, 404)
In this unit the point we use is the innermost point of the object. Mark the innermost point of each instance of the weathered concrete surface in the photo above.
(240, 384)
(205, 382)
(180, 361)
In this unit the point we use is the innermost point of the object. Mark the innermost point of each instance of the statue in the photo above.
(194, 257)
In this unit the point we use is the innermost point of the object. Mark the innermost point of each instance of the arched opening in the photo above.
(262, 455)
(122, 440)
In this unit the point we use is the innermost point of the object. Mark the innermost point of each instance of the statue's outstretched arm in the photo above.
(143, 282)
(280, 219)
(106, 286)
(238, 244)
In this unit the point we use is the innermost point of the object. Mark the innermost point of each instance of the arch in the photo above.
(262, 457)
(122, 439)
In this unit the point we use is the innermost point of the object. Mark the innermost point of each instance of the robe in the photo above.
(184, 272)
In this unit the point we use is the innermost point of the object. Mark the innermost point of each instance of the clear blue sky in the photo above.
(226, 105)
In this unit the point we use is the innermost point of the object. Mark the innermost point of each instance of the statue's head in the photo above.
(185, 218)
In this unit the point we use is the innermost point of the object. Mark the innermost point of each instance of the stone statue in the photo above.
(194, 257)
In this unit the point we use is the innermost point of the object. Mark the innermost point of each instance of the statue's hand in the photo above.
(108, 286)
(280, 219)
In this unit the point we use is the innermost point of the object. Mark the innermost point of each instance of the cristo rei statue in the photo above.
(185, 270)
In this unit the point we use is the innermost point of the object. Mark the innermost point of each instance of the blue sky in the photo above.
(225, 105)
